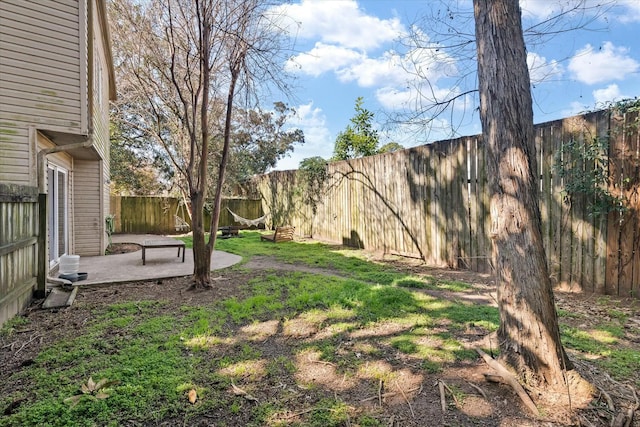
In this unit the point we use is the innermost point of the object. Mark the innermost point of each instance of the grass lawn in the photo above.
(298, 334)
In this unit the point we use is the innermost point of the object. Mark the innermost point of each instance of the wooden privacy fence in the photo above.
(156, 215)
(432, 202)
(18, 248)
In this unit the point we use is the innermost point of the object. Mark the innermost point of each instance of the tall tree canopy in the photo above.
(259, 139)
(359, 139)
(138, 167)
(182, 64)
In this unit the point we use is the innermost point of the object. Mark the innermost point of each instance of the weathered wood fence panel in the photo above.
(432, 202)
(623, 261)
(156, 215)
(18, 248)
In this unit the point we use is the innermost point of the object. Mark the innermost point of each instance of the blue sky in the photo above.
(347, 48)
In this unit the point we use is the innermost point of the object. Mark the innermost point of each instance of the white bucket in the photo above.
(69, 264)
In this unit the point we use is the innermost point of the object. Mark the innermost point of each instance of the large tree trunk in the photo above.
(201, 252)
(528, 334)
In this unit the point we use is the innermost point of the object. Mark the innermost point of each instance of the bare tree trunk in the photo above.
(239, 50)
(529, 334)
(217, 205)
(201, 251)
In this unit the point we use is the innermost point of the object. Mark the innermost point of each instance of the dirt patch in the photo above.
(409, 394)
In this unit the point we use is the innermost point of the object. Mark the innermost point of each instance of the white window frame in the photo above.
(54, 220)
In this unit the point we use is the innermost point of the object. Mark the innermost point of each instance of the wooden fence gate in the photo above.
(18, 248)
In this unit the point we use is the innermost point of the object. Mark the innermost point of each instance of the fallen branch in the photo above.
(392, 421)
(609, 400)
(387, 394)
(479, 390)
(443, 398)
(406, 400)
(494, 378)
(306, 411)
(633, 409)
(455, 399)
(240, 392)
(511, 380)
(33, 337)
(585, 422)
(380, 393)
(619, 420)
(10, 345)
(322, 362)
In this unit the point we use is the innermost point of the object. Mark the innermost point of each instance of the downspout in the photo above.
(43, 264)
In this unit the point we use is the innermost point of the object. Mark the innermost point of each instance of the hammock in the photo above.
(248, 222)
(179, 217)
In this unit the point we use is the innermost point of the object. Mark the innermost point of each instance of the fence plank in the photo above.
(461, 204)
(634, 205)
(440, 183)
(614, 265)
(546, 196)
(592, 121)
(473, 203)
(564, 214)
(578, 211)
(430, 218)
(485, 206)
(626, 151)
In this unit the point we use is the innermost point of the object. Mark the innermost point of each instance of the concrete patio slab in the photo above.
(161, 263)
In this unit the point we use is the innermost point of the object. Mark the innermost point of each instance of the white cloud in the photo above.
(339, 22)
(541, 70)
(411, 98)
(389, 70)
(607, 12)
(346, 35)
(539, 8)
(609, 94)
(323, 58)
(430, 62)
(317, 137)
(395, 99)
(607, 63)
(542, 9)
(371, 72)
(630, 11)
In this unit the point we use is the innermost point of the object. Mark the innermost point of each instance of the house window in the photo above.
(57, 229)
(97, 82)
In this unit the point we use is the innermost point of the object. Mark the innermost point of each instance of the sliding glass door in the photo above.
(57, 186)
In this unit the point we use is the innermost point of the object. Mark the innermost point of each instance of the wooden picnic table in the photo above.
(162, 243)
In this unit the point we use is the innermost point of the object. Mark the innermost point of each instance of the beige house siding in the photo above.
(88, 221)
(50, 52)
(100, 107)
(16, 159)
(43, 78)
